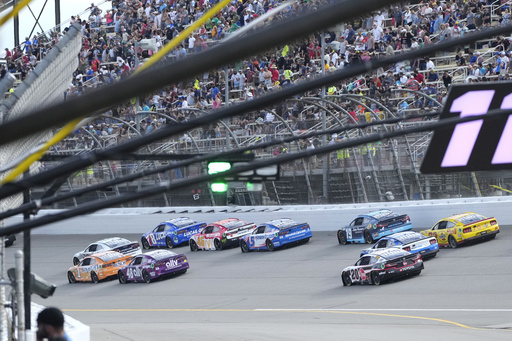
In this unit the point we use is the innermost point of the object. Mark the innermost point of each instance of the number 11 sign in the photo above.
(477, 145)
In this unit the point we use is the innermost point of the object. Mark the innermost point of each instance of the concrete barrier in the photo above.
(424, 214)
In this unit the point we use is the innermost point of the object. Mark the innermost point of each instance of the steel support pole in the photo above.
(325, 157)
(57, 15)
(226, 96)
(20, 288)
(3, 314)
(26, 261)
(16, 21)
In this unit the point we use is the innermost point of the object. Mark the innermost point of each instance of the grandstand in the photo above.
(388, 170)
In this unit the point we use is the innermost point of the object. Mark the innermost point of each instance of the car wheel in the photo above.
(122, 277)
(75, 261)
(492, 237)
(345, 278)
(193, 245)
(244, 246)
(145, 243)
(145, 276)
(452, 242)
(368, 239)
(270, 245)
(169, 243)
(306, 240)
(416, 273)
(94, 277)
(71, 277)
(342, 237)
(182, 271)
(375, 278)
(218, 245)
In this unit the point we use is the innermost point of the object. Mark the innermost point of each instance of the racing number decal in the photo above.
(357, 275)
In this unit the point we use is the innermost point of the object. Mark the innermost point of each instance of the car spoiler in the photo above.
(388, 221)
(127, 247)
(483, 220)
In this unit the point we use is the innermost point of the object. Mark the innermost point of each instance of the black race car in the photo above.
(381, 266)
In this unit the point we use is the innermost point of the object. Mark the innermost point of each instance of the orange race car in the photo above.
(98, 266)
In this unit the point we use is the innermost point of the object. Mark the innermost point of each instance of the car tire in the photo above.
(71, 277)
(145, 276)
(342, 238)
(169, 243)
(270, 245)
(244, 246)
(368, 239)
(345, 278)
(94, 277)
(218, 244)
(492, 237)
(193, 246)
(145, 243)
(452, 242)
(181, 272)
(375, 278)
(76, 261)
(122, 277)
(416, 273)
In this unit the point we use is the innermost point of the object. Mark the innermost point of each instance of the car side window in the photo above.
(442, 225)
(364, 261)
(373, 260)
(260, 229)
(207, 230)
(86, 262)
(137, 261)
(268, 229)
(357, 221)
(366, 221)
(92, 248)
(160, 228)
(215, 229)
(450, 224)
(382, 244)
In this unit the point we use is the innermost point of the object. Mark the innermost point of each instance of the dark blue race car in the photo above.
(171, 233)
(410, 241)
(372, 226)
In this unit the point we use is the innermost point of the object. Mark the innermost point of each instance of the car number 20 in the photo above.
(357, 275)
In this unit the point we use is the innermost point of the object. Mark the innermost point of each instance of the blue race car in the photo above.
(274, 234)
(171, 233)
(410, 241)
(372, 226)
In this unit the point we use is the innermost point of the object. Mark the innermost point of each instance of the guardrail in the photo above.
(424, 214)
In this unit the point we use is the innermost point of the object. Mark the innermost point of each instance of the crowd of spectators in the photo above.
(108, 54)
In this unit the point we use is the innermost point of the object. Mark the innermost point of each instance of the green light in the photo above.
(219, 187)
(217, 167)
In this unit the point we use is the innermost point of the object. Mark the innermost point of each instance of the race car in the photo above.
(463, 228)
(382, 265)
(411, 241)
(274, 234)
(109, 244)
(171, 233)
(98, 266)
(221, 234)
(372, 226)
(9, 240)
(153, 265)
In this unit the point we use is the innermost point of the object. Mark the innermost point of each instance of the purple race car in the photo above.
(152, 265)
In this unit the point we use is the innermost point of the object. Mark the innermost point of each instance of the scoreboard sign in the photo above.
(478, 145)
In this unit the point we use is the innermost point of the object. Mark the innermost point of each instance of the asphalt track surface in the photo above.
(290, 294)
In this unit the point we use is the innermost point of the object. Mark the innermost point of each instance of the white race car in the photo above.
(118, 244)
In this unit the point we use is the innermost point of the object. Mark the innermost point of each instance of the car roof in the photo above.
(282, 223)
(406, 236)
(231, 223)
(160, 254)
(113, 242)
(389, 253)
(466, 217)
(107, 256)
(378, 214)
(181, 222)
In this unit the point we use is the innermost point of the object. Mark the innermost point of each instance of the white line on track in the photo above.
(393, 309)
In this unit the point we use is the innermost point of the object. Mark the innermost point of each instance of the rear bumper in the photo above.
(478, 237)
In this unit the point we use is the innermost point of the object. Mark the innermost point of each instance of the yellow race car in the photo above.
(98, 266)
(462, 228)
